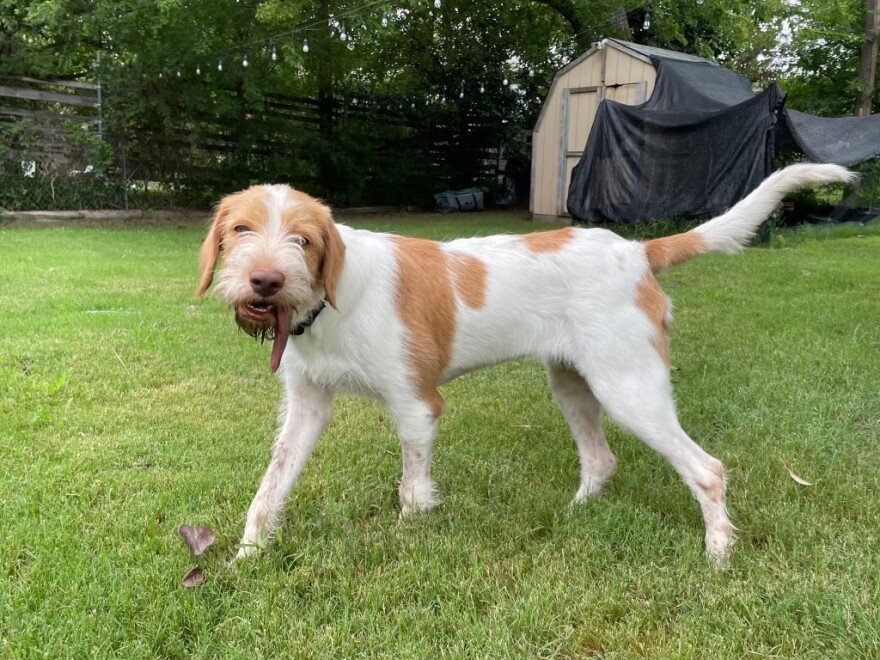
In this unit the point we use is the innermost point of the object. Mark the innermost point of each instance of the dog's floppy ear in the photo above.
(334, 258)
(211, 250)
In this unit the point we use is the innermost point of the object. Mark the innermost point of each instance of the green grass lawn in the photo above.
(127, 408)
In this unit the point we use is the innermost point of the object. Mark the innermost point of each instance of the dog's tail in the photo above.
(729, 232)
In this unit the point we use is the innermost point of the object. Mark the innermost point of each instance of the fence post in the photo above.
(96, 65)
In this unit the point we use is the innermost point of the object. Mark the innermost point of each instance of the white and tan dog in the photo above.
(405, 315)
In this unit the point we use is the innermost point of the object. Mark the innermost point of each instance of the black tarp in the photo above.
(702, 142)
(846, 141)
(694, 86)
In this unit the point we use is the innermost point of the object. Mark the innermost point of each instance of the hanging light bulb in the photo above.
(305, 45)
(343, 35)
(274, 54)
(220, 65)
(531, 72)
(244, 61)
(505, 82)
(384, 19)
(647, 21)
(178, 73)
(437, 4)
(161, 76)
(198, 70)
(482, 88)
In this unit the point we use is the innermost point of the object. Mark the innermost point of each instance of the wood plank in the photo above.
(44, 114)
(48, 97)
(74, 84)
(563, 147)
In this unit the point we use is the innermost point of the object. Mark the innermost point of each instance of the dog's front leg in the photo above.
(307, 411)
(417, 422)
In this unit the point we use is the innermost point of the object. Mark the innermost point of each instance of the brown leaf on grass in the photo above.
(198, 539)
(805, 272)
(797, 479)
(194, 577)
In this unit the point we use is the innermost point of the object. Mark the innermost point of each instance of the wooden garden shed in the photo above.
(611, 69)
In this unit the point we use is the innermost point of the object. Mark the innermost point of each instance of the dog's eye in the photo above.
(240, 229)
(302, 241)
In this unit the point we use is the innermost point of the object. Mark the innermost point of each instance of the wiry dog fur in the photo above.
(406, 315)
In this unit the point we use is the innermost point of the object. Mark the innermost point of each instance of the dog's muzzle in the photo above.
(264, 320)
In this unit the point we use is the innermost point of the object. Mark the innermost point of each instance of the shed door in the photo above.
(579, 105)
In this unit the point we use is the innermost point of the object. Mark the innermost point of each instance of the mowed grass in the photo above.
(128, 408)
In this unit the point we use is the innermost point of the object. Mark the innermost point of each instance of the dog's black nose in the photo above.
(266, 282)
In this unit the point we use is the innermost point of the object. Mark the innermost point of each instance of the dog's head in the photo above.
(281, 252)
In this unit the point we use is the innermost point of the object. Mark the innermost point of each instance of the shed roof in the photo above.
(660, 53)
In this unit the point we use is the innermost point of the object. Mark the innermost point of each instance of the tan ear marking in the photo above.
(334, 258)
(210, 251)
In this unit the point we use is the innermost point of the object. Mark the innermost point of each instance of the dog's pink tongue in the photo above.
(282, 332)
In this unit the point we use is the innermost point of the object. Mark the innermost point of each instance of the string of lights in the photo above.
(337, 24)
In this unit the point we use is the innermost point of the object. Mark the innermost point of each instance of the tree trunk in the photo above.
(568, 10)
(868, 68)
(621, 24)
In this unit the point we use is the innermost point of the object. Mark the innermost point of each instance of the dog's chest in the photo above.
(336, 369)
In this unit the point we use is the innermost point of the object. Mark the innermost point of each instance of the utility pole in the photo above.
(868, 67)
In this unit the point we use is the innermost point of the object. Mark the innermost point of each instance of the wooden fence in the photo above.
(49, 107)
(378, 151)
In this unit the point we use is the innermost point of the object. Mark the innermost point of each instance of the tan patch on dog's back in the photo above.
(670, 251)
(470, 276)
(654, 303)
(548, 241)
(426, 304)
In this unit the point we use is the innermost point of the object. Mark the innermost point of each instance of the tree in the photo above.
(868, 64)
(818, 62)
(412, 86)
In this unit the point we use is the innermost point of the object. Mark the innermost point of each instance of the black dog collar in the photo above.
(300, 328)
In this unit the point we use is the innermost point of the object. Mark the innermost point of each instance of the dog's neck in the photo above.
(303, 325)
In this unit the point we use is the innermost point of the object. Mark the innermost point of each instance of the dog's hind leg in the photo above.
(307, 411)
(583, 414)
(631, 381)
(417, 423)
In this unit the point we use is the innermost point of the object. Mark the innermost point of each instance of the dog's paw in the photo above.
(412, 510)
(720, 561)
(719, 547)
(586, 490)
(420, 497)
(247, 549)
